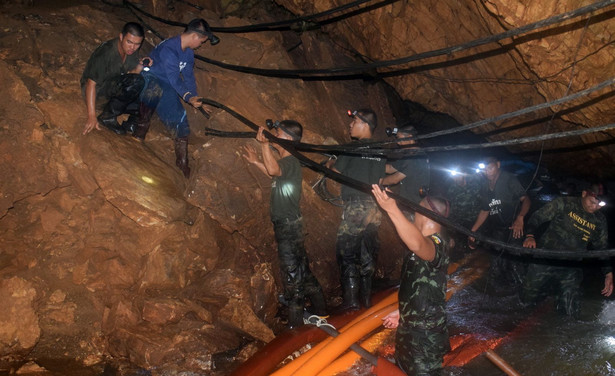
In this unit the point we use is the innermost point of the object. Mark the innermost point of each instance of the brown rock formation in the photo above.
(106, 252)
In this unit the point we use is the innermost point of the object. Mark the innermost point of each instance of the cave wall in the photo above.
(496, 78)
(107, 254)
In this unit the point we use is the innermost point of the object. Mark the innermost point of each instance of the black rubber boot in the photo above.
(366, 291)
(141, 125)
(295, 315)
(181, 155)
(108, 118)
(350, 287)
(319, 305)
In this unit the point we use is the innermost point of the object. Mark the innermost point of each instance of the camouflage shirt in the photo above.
(465, 200)
(570, 227)
(422, 292)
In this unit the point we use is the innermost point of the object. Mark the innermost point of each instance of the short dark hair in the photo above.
(490, 160)
(597, 189)
(370, 116)
(134, 29)
(407, 129)
(198, 25)
(293, 127)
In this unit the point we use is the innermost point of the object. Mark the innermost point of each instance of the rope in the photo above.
(512, 249)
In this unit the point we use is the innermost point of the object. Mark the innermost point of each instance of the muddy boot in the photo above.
(181, 155)
(295, 315)
(350, 287)
(366, 291)
(108, 118)
(141, 125)
(319, 305)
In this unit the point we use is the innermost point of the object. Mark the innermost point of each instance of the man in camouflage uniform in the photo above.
(574, 224)
(422, 337)
(357, 236)
(297, 279)
(464, 196)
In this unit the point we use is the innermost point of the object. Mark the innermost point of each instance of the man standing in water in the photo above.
(357, 236)
(422, 337)
(297, 278)
(504, 205)
(574, 223)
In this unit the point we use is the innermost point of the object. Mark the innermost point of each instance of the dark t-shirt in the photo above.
(286, 190)
(417, 177)
(570, 227)
(503, 202)
(422, 292)
(364, 168)
(105, 63)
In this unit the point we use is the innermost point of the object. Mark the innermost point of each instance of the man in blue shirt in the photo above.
(171, 80)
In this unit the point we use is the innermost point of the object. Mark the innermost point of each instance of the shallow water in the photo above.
(535, 341)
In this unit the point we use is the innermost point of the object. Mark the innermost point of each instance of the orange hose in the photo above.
(291, 367)
(347, 360)
(341, 343)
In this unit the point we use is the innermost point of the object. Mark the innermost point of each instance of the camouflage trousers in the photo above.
(357, 239)
(563, 281)
(298, 281)
(419, 352)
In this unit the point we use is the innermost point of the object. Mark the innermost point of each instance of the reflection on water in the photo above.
(535, 341)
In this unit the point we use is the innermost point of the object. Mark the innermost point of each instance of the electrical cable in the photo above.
(282, 25)
(515, 250)
(371, 67)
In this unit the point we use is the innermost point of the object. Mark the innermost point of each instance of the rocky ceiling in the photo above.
(497, 78)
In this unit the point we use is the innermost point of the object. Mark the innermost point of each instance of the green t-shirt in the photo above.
(286, 190)
(105, 63)
(417, 177)
(364, 168)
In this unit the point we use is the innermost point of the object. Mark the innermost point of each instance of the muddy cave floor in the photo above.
(534, 341)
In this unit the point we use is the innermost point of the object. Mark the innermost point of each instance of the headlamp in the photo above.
(391, 131)
(146, 63)
(356, 113)
(276, 124)
(600, 199)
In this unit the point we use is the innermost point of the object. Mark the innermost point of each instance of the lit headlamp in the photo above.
(601, 201)
(356, 113)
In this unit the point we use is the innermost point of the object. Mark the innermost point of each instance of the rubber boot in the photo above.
(108, 118)
(350, 286)
(181, 155)
(319, 305)
(141, 126)
(295, 315)
(366, 291)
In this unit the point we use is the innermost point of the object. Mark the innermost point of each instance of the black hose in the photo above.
(370, 68)
(282, 25)
(508, 248)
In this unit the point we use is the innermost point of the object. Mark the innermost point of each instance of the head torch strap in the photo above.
(357, 114)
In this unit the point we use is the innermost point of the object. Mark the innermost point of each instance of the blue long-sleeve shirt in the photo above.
(175, 66)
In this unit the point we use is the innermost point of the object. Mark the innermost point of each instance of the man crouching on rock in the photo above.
(113, 73)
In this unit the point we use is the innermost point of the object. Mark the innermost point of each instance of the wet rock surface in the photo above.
(110, 260)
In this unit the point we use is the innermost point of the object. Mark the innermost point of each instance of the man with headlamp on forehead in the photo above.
(171, 80)
(574, 224)
(357, 236)
(297, 279)
(411, 172)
